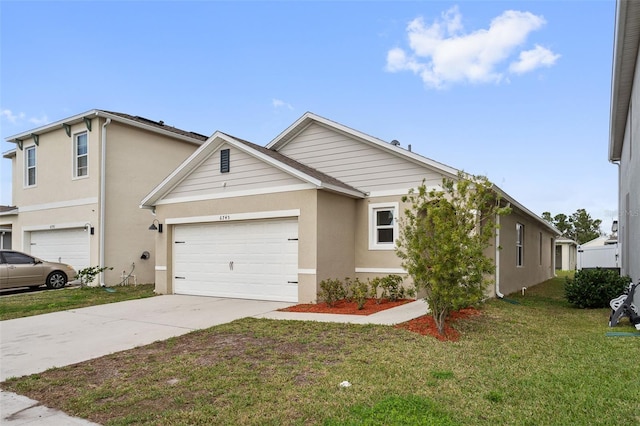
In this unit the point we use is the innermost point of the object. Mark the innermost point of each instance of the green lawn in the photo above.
(45, 301)
(533, 361)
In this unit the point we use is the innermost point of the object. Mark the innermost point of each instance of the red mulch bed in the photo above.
(345, 307)
(426, 326)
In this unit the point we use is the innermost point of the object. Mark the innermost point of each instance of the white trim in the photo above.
(74, 153)
(54, 227)
(307, 271)
(160, 268)
(381, 270)
(373, 245)
(25, 181)
(256, 191)
(229, 217)
(58, 205)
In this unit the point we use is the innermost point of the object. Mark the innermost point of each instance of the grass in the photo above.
(534, 362)
(46, 301)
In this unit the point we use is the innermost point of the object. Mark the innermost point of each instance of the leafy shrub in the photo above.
(87, 275)
(393, 289)
(359, 292)
(594, 288)
(374, 284)
(331, 291)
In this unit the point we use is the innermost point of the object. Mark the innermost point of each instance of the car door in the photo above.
(22, 270)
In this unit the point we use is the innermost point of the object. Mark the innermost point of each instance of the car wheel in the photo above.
(56, 279)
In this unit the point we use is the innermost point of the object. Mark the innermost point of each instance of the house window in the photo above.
(80, 155)
(224, 161)
(383, 226)
(519, 244)
(30, 166)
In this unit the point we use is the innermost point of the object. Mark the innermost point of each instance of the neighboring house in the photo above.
(320, 201)
(624, 148)
(601, 252)
(566, 254)
(77, 185)
(7, 215)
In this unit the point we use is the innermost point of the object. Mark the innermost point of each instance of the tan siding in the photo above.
(246, 173)
(356, 163)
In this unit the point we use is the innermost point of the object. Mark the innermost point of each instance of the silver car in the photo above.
(19, 269)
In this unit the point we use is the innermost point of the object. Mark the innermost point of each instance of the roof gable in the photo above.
(285, 166)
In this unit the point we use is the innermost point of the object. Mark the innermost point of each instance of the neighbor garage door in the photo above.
(248, 260)
(62, 245)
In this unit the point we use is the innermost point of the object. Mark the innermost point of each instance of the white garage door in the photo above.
(248, 260)
(62, 245)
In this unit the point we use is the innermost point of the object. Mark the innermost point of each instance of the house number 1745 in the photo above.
(225, 217)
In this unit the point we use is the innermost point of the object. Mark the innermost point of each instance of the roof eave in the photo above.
(626, 41)
(98, 113)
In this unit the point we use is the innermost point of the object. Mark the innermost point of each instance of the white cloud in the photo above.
(443, 53)
(529, 60)
(39, 121)
(18, 118)
(277, 103)
(10, 116)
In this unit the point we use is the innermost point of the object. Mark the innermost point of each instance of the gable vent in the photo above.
(224, 161)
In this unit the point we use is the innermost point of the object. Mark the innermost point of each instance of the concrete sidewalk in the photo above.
(34, 344)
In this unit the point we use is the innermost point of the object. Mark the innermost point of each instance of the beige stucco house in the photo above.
(77, 186)
(624, 145)
(320, 201)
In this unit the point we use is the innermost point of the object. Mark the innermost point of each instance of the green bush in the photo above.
(359, 291)
(393, 289)
(331, 291)
(594, 288)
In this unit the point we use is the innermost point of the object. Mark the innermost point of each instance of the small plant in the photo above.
(359, 292)
(393, 289)
(331, 291)
(374, 284)
(594, 288)
(88, 274)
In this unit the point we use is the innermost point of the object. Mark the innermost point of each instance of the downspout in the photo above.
(500, 295)
(103, 195)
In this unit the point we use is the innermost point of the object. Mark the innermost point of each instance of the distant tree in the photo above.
(579, 227)
(443, 237)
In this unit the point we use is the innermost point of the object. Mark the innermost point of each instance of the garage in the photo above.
(62, 245)
(256, 259)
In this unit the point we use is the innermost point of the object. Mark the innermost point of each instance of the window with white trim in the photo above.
(80, 155)
(519, 244)
(30, 166)
(383, 226)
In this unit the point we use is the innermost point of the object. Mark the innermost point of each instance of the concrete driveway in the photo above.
(34, 344)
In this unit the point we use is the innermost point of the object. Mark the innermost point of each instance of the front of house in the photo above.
(320, 201)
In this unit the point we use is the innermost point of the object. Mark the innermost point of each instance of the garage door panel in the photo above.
(62, 245)
(253, 259)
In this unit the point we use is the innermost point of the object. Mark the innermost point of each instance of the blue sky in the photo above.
(518, 91)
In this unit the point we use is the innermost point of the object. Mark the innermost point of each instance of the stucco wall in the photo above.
(539, 251)
(336, 240)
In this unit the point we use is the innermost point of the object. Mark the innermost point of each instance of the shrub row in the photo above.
(389, 287)
(594, 288)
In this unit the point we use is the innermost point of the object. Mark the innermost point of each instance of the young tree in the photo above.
(443, 237)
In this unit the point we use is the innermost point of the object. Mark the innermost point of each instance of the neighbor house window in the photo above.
(225, 165)
(383, 226)
(519, 244)
(80, 155)
(30, 166)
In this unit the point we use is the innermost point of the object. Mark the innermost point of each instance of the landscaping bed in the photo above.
(347, 307)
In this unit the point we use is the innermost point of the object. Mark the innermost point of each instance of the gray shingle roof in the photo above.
(160, 125)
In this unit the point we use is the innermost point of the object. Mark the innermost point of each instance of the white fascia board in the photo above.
(345, 191)
(97, 113)
(525, 210)
(51, 126)
(184, 169)
(10, 153)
